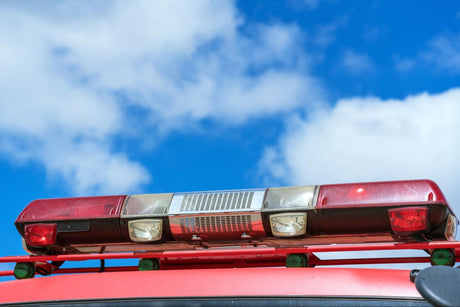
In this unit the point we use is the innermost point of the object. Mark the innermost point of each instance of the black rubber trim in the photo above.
(239, 301)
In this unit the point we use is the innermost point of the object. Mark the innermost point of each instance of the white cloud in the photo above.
(190, 77)
(73, 73)
(88, 167)
(357, 63)
(369, 139)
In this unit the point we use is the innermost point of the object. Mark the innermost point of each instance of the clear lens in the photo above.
(146, 205)
(145, 230)
(288, 224)
(451, 228)
(290, 197)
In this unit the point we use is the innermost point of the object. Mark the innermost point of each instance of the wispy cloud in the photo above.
(357, 63)
(444, 53)
(325, 34)
(440, 54)
(79, 74)
(367, 139)
(404, 64)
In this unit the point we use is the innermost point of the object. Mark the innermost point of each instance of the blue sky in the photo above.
(114, 97)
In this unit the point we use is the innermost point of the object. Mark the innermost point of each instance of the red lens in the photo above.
(408, 219)
(40, 234)
(72, 208)
(380, 194)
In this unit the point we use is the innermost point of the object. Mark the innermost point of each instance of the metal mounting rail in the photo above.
(235, 257)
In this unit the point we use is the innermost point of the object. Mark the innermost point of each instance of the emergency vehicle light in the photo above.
(443, 256)
(148, 264)
(408, 219)
(296, 261)
(403, 211)
(290, 198)
(77, 220)
(379, 193)
(451, 227)
(288, 224)
(24, 270)
(40, 234)
(146, 205)
(145, 230)
(72, 208)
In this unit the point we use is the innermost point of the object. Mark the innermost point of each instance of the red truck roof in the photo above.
(215, 283)
(219, 275)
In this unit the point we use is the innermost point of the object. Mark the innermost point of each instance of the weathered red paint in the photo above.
(262, 282)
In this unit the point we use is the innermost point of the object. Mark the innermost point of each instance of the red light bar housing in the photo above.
(355, 195)
(373, 200)
(76, 220)
(402, 211)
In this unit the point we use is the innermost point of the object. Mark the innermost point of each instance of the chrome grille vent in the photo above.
(216, 224)
(225, 201)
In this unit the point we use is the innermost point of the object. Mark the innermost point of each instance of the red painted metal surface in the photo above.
(6, 273)
(238, 257)
(264, 282)
(236, 252)
(221, 273)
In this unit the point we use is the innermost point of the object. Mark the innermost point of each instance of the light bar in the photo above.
(402, 211)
